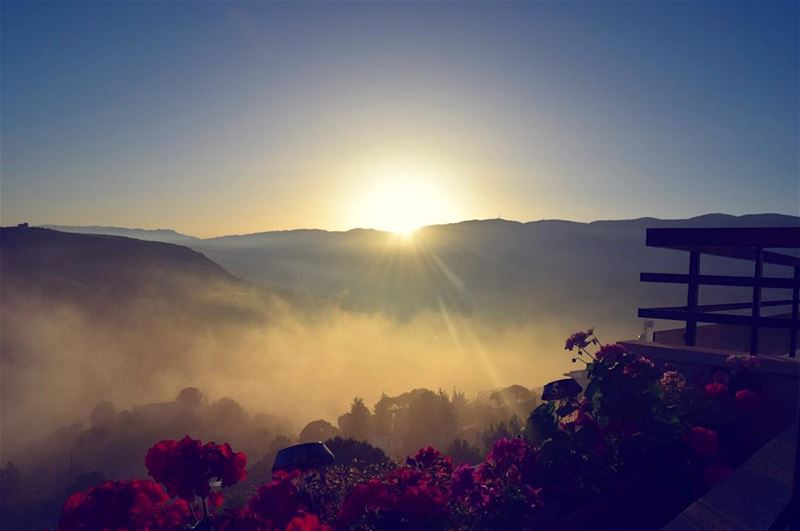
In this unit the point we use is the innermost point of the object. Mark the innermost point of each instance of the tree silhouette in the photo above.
(318, 430)
(356, 423)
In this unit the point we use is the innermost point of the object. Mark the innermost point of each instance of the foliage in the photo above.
(356, 423)
(350, 452)
(131, 504)
(318, 430)
(633, 420)
(462, 452)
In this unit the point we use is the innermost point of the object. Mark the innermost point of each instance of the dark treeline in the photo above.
(402, 424)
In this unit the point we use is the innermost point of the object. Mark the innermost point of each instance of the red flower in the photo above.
(639, 367)
(747, 400)
(134, 504)
(277, 502)
(172, 515)
(462, 481)
(716, 390)
(306, 522)
(427, 456)
(407, 498)
(715, 472)
(216, 499)
(703, 442)
(611, 353)
(185, 467)
(512, 459)
(420, 504)
(371, 496)
(506, 452)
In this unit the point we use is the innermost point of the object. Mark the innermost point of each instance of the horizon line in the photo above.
(344, 231)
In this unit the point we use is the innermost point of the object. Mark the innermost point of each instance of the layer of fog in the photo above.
(60, 360)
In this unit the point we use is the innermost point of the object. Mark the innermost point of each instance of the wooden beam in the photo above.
(758, 269)
(721, 280)
(671, 314)
(795, 315)
(693, 291)
(733, 306)
(753, 237)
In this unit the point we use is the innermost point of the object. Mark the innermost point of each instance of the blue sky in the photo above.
(214, 118)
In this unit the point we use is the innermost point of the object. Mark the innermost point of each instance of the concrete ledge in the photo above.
(683, 355)
(752, 497)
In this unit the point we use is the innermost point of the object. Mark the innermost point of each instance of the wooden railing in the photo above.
(738, 243)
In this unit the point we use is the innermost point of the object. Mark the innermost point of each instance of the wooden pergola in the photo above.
(757, 245)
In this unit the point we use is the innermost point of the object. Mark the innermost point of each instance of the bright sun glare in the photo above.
(402, 206)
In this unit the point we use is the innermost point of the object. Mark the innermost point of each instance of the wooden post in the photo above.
(691, 298)
(795, 304)
(794, 501)
(756, 313)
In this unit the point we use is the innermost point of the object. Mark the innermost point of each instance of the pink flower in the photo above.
(578, 339)
(611, 352)
(747, 400)
(639, 367)
(673, 381)
(716, 390)
(702, 442)
(462, 481)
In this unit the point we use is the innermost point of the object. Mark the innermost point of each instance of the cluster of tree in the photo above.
(402, 424)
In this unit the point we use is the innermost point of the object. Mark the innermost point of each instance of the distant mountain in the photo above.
(494, 269)
(158, 235)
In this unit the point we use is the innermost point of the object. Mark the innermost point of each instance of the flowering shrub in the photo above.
(187, 467)
(413, 496)
(275, 506)
(134, 504)
(633, 419)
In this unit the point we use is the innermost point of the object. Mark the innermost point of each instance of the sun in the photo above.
(402, 206)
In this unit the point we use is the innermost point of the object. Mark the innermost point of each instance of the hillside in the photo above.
(89, 316)
(158, 235)
(97, 268)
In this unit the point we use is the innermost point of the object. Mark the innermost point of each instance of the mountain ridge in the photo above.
(173, 236)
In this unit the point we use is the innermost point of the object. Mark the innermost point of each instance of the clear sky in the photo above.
(218, 118)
